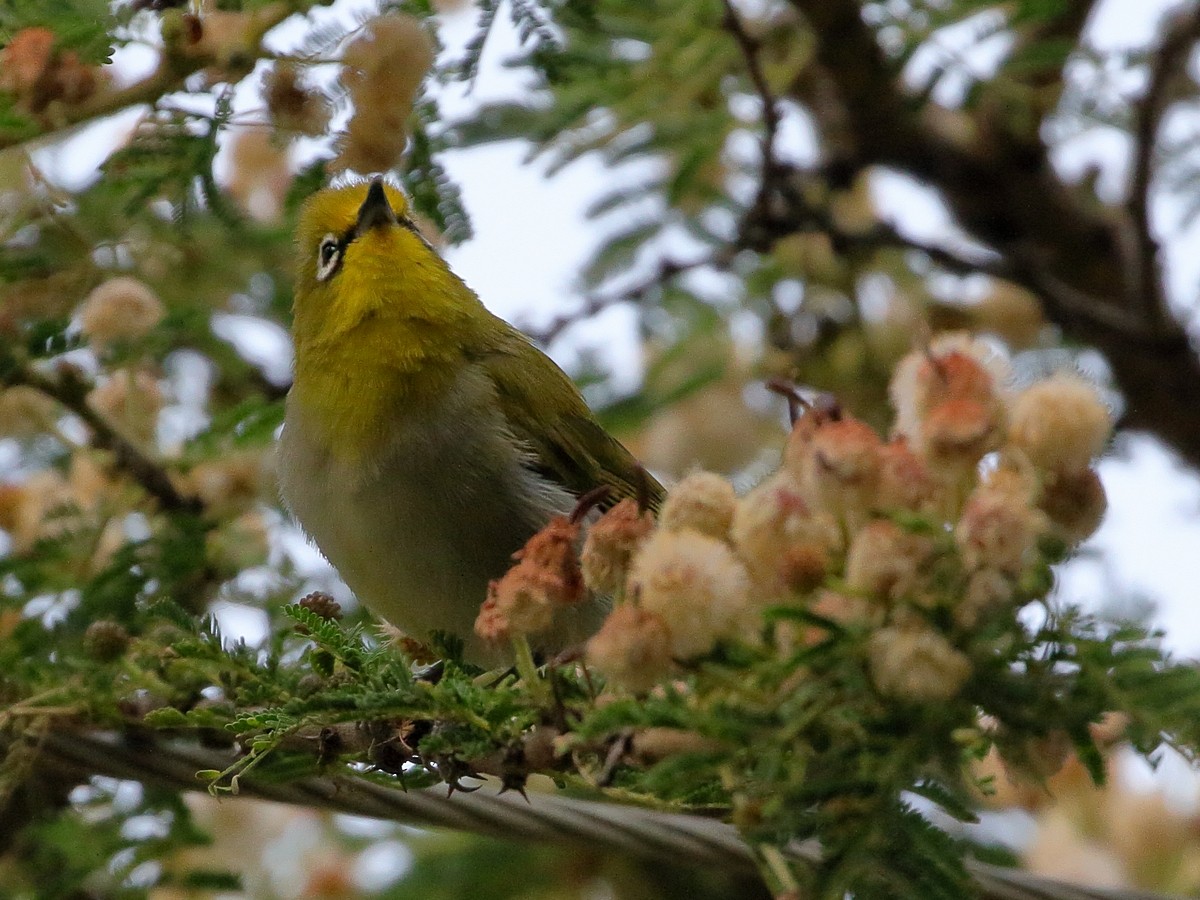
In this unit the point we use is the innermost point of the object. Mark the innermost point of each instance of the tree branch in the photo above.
(1003, 190)
(667, 270)
(179, 62)
(750, 47)
(1181, 34)
(71, 392)
(544, 818)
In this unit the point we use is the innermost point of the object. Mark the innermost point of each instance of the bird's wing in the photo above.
(546, 411)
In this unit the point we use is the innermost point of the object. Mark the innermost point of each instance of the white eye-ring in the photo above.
(329, 254)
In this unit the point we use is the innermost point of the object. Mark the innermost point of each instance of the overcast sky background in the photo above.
(531, 237)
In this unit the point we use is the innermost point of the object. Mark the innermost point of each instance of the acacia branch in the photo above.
(667, 270)
(543, 818)
(71, 392)
(178, 63)
(163, 80)
(750, 46)
(1166, 66)
(1005, 193)
(1055, 295)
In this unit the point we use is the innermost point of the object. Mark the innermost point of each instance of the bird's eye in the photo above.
(329, 254)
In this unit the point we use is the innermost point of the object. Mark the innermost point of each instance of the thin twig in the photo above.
(594, 305)
(1165, 67)
(750, 46)
(776, 200)
(72, 394)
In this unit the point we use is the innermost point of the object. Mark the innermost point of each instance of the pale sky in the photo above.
(531, 237)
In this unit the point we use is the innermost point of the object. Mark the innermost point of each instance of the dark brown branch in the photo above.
(1055, 295)
(1167, 65)
(1003, 191)
(71, 392)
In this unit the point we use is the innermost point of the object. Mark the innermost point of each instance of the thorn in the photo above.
(515, 782)
(589, 501)
(796, 403)
(431, 673)
(456, 785)
(569, 655)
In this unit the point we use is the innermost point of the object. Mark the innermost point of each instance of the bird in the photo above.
(425, 439)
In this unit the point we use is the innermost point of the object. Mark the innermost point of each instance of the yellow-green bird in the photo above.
(425, 438)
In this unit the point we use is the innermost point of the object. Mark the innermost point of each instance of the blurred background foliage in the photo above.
(745, 225)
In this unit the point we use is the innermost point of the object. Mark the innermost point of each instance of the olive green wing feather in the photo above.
(546, 411)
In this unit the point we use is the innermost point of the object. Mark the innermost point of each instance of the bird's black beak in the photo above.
(375, 210)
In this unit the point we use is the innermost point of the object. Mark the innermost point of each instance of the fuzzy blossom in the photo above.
(553, 551)
(654, 744)
(949, 401)
(987, 591)
(1011, 312)
(798, 448)
(702, 502)
(1074, 502)
(25, 60)
(132, 400)
(886, 562)
(226, 41)
(905, 482)
(105, 640)
(227, 486)
(834, 606)
(24, 411)
(1060, 423)
(999, 527)
(610, 545)
(515, 605)
(292, 105)
(840, 473)
(784, 541)
(119, 309)
(696, 584)
(38, 74)
(916, 664)
(546, 577)
(957, 434)
(37, 508)
(632, 648)
(382, 72)
(260, 174)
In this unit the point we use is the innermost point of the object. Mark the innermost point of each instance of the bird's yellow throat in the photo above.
(382, 342)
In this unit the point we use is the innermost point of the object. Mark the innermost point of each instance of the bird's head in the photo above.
(359, 254)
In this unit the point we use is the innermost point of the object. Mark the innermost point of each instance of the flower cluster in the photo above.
(546, 578)
(119, 309)
(382, 72)
(917, 542)
(38, 74)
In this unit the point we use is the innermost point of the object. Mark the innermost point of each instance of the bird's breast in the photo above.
(417, 527)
